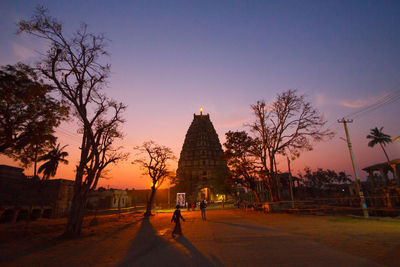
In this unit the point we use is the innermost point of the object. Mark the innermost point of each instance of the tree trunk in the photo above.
(384, 151)
(75, 216)
(35, 163)
(150, 202)
(273, 180)
(268, 184)
(278, 187)
(257, 197)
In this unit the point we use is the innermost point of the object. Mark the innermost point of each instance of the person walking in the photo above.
(176, 217)
(203, 207)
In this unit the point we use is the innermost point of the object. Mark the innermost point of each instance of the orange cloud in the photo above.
(361, 102)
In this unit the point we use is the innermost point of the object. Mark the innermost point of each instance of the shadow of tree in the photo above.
(150, 249)
(37, 247)
(251, 227)
(197, 257)
(46, 243)
(120, 229)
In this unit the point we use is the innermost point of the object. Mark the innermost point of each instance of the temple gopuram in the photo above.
(202, 171)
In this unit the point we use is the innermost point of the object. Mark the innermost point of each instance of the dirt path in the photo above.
(227, 238)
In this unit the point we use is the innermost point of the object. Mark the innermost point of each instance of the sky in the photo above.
(169, 58)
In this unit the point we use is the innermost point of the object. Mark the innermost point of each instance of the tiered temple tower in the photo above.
(201, 169)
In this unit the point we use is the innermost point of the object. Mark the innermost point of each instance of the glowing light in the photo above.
(201, 111)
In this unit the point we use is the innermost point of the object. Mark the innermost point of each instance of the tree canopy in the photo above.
(55, 156)
(320, 178)
(28, 113)
(240, 155)
(285, 127)
(377, 136)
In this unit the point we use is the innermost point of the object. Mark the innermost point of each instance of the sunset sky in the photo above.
(169, 58)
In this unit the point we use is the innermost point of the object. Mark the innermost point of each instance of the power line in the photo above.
(378, 106)
(71, 136)
(382, 101)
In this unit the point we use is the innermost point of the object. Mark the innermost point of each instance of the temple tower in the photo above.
(201, 169)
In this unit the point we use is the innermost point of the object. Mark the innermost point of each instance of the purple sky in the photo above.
(169, 58)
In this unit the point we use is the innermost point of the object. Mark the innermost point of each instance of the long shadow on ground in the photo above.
(149, 249)
(45, 244)
(252, 227)
(197, 256)
(120, 229)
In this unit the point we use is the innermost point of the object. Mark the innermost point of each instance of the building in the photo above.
(378, 174)
(110, 199)
(164, 198)
(103, 199)
(202, 171)
(22, 197)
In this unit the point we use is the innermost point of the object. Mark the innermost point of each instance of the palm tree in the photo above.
(52, 158)
(378, 137)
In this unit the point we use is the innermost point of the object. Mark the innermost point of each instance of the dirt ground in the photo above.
(227, 238)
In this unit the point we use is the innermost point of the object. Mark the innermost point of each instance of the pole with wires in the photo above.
(290, 183)
(356, 176)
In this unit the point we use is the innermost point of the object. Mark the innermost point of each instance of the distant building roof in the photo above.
(10, 172)
(380, 166)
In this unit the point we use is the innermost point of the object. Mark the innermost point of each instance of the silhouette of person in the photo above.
(176, 218)
(203, 206)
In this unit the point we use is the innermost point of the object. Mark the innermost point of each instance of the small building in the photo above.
(164, 197)
(109, 199)
(20, 194)
(58, 193)
(378, 174)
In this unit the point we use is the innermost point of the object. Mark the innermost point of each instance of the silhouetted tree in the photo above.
(241, 160)
(41, 141)
(76, 69)
(153, 160)
(287, 126)
(378, 137)
(321, 180)
(52, 158)
(28, 114)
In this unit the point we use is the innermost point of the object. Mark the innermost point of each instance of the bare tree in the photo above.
(75, 68)
(288, 126)
(153, 160)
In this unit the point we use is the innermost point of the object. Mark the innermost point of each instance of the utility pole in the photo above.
(356, 176)
(169, 198)
(290, 182)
